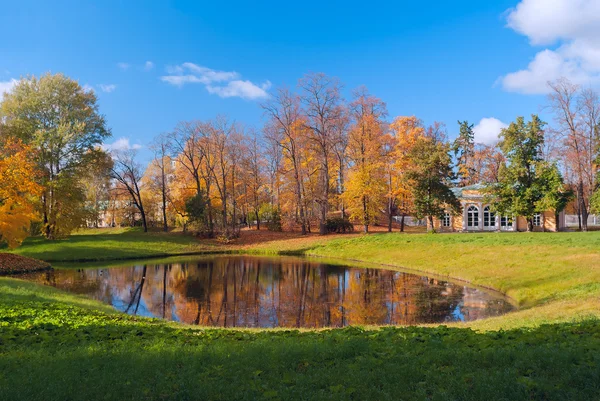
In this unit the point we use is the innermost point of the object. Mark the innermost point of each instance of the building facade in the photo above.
(477, 215)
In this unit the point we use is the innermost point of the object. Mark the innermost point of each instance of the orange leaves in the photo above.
(18, 191)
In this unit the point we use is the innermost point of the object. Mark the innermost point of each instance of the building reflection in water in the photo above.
(247, 291)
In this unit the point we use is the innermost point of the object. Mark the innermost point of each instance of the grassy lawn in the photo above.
(55, 346)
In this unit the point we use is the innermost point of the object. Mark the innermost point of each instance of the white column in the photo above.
(464, 222)
(480, 214)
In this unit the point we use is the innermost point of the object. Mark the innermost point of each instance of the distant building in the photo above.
(477, 215)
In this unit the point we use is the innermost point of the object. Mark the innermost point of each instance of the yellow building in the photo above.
(477, 215)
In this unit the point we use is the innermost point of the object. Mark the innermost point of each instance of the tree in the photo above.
(161, 170)
(324, 114)
(285, 130)
(254, 165)
(18, 190)
(523, 181)
(430, 174)
(554, 195)
(97, 188)
(406, 132)
(366, 185)
(128, 175)
(60, 120)
(577, 114)
(464, 152)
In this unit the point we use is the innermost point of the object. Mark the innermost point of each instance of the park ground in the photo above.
(58, 346)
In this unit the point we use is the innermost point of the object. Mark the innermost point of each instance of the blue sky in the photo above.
(439, 60)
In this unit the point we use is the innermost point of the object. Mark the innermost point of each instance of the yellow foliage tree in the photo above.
(18, 192)
(406, 132)
(366, 186)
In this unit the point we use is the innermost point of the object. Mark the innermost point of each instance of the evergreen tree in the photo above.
(464, 152)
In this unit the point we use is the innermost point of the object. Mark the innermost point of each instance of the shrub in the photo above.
(339, 225)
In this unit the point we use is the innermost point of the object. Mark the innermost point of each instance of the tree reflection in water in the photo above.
(247, 291)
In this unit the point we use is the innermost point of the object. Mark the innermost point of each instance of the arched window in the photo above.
(446, 220)
(473, 217)
(489, 218)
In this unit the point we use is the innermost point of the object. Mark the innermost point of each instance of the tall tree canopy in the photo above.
(527, 183)
(60, 120)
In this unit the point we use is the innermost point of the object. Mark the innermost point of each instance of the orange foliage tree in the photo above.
(18, 191)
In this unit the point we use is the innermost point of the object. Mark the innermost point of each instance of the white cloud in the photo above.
(123, 66)
(148, 65)
(222, 83)
(487, 130)
(572, 27)
(120, 144)
(243, 89)
(6, 86)
(88, 88)
(107, 88)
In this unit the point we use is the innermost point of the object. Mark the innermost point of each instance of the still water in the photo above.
(249, 291)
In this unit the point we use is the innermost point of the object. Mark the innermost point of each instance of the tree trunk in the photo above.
(430, 218)
(257, 219)
(365, 215)
(530, 224)
(582, 206)
(402, 223)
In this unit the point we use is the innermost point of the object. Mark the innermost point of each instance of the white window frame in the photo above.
(507, 223)
(489, 218)
(473, 217)
(447, 220)
(537, 220)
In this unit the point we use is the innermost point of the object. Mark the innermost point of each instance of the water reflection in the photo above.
(245, 291)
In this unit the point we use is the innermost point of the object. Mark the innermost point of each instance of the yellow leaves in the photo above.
(18, 192)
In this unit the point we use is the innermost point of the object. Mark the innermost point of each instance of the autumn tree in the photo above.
(18, 190)
(97, 185)
(406, 131)
(322, 106)
(60, 120)
(366, 185)
(159, 172)
(127, 173)
(285, 130)
(254, 166)
(577, 116)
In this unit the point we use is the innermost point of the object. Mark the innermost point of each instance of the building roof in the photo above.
(459, 191)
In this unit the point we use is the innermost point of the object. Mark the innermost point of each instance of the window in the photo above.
(506, 222)
(537, 220)
(473, 217)
(446, 220)
(489, 217)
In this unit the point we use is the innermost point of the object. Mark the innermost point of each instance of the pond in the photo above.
(251, 291)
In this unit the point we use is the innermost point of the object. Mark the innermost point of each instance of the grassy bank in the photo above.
(55, 346)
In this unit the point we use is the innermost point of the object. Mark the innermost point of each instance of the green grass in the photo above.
(111, 244)
(55, 346)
